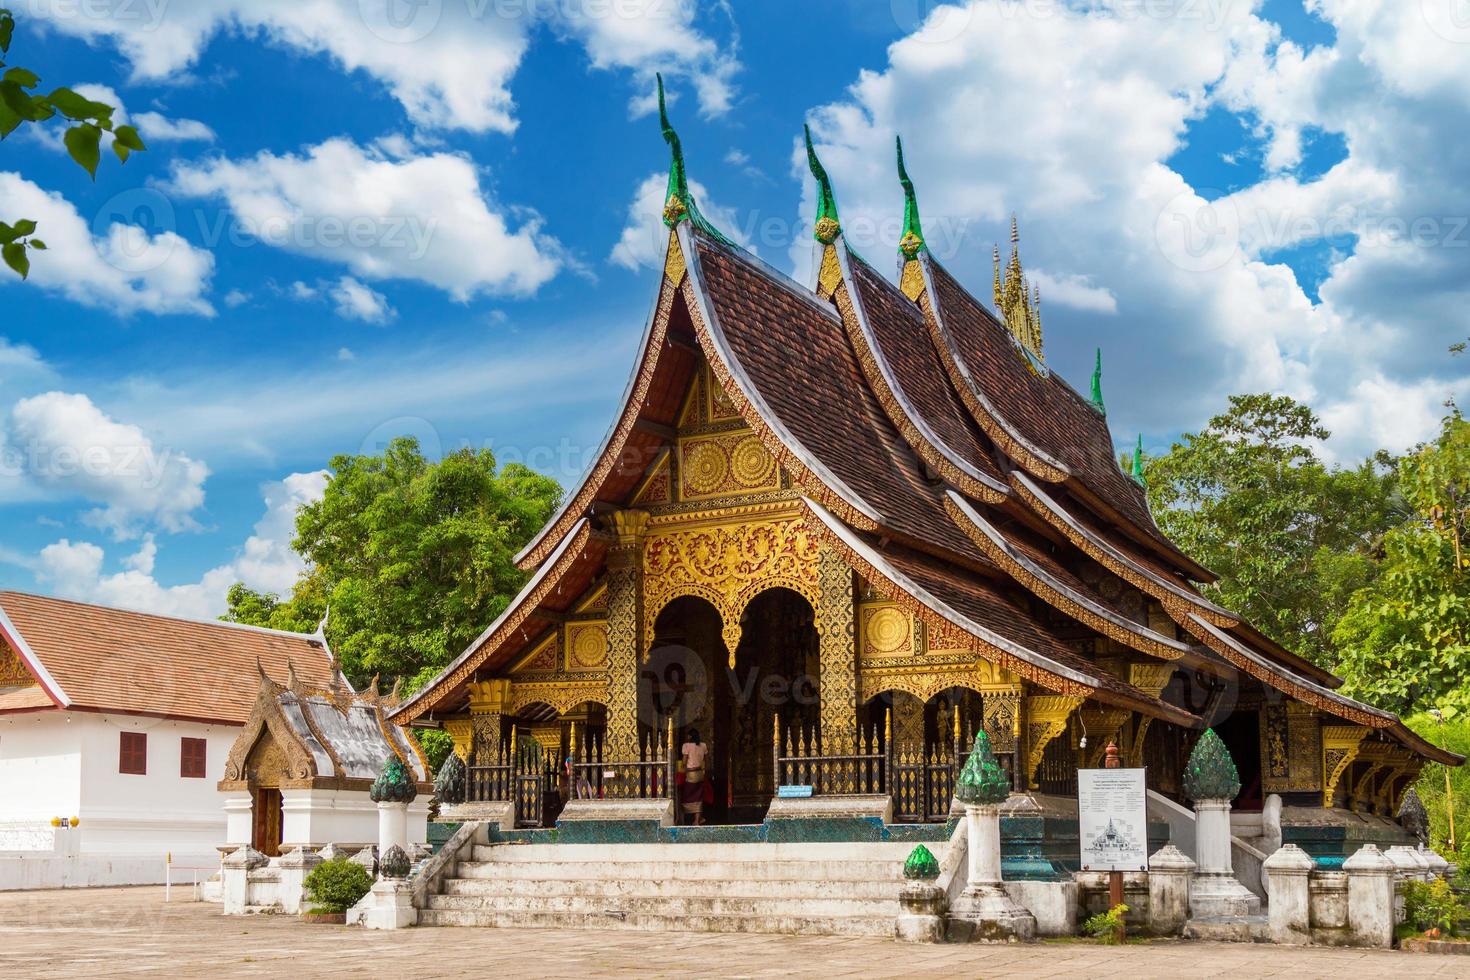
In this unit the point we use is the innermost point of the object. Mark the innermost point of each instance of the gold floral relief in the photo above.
(885, 631)
(728, 565)
(13, 672)
(725, 464)
(587, 646)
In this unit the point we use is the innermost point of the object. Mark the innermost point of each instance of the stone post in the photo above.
(1289, 910)
(923, 902)
(1169, 873)
(1370, 897)
(984, 911)
(1218, 904)
(392, 825)
(294, 866)
(235, 877)
(1438, 866)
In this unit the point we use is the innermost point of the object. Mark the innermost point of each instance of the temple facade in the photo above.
(837, 527)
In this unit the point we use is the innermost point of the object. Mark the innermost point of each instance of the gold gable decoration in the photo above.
(729, 564)
(13, 671)
(586, 646)
(1017, 302)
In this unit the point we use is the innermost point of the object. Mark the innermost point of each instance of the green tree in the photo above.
(1290, 538)
(83, 140)
(414, 558)
(1405, 639)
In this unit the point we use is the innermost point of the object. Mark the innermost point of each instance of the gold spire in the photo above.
(1017, 302)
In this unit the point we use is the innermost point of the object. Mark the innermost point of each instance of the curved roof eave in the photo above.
(1144, 639)
(612, 441)
(549, 571)
(1104, 551)
(981, 484)
(765, 418)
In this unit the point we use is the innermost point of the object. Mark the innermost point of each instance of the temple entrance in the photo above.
(925, 744)
(267, 813)
(1241, 733)
(736, 711)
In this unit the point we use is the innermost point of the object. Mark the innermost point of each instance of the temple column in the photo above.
(488, 703)
(837, 654)
(462, 731)
(624, 627)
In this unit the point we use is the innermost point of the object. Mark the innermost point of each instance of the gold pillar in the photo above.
(1340, 746)
(488, 702)
(624, 627)
(837, 654)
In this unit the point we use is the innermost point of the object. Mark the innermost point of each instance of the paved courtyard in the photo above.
(132, 932)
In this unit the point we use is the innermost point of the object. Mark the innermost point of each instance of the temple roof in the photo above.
(93, 658)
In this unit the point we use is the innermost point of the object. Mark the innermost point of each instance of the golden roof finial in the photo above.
(1017, 301)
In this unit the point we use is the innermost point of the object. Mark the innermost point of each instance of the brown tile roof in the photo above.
(903, 342)
(113, 660)
(795, 350)
(1041, 408)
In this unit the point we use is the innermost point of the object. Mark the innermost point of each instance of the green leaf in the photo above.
(84, 144)
(37, 244)
(128, 136)
(9, 120)
(78, 107)
(7, 29)
(15, 257)
(7, 234)
(24, 227)
(121, 151)
(23, 77)
(17, 100)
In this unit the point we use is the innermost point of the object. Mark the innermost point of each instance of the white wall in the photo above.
(65, 764)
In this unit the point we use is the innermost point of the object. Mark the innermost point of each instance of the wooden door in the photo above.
(269, 811)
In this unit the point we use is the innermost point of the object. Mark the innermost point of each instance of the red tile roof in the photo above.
(103, 659)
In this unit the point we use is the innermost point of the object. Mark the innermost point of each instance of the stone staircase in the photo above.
(827, 889)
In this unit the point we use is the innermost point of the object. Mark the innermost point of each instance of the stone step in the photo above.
(789, 870)
(702, 853)
(520, 886)
(792, 925)
(674, 906)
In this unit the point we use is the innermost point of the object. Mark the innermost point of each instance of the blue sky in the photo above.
(348, 226)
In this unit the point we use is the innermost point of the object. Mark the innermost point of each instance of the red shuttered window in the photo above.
(192, 757)
(132, 755)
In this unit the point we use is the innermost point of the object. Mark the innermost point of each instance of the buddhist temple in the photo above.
(837, 527)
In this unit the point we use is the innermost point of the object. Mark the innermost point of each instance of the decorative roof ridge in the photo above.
(747, 388)
(578, 535)
(646, 350)
(912, 238)
(776, 276)
(1103, 551)
(1096, 397)
(1058, 470)
(827, 226)
(1158, 644)
(985, 485)
(1091, 686)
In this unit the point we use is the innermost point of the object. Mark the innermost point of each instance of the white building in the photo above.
(115, 728)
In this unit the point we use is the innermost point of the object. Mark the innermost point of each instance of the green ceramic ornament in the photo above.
(393, 784)
(1210, 773)
(982, 781)
(921, 865)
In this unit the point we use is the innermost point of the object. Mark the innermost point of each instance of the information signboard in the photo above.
(1112, 819)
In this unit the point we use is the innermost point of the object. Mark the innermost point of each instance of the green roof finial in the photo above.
(827, 227)
(921, 865)
(913, 235)
(1097, 399)
(1138, 461)
(676, 199)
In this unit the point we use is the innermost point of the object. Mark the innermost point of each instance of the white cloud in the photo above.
(236, 297)
(1195, 296)
(1073, 291)
(449, 64)
(157, 128)
(419, 217)
(264, 562)
(355, 301)
(112, 265)
(64, 444)
(345, 354)
(642, 242)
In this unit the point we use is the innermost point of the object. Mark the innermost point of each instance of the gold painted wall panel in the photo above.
(886, 630)
(586, 646)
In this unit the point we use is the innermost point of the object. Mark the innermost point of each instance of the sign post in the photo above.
(1112, 822)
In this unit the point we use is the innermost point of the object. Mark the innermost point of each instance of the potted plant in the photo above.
(334, 887)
